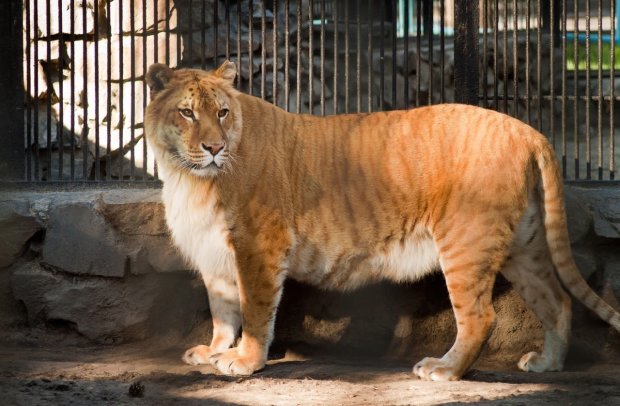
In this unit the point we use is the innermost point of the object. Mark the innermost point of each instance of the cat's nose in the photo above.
(213, 148)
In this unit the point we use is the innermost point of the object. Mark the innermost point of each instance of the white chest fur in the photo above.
(198, 228)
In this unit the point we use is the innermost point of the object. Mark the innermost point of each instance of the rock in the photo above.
(578, 215)
(109, 310)
(17, 225)
(585, 261)
(80, 241)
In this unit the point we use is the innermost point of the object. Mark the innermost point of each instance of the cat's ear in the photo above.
(227, 71)
(158, 77)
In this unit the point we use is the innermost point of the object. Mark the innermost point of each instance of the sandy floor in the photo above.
(103, 375)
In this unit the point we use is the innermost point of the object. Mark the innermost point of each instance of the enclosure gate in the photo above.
(75, 96)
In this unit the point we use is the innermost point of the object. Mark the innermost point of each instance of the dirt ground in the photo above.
(78, 375)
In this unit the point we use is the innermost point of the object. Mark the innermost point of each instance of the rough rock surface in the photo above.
(17, 225)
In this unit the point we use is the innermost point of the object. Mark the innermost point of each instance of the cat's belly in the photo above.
(330, 267)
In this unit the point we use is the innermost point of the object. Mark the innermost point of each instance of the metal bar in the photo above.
(11, 81)
(216, 30)
(588, 91)
(336, 29)
(466, 74)
(358, 72)
(382, 58)
(394, 70)
(121, 85)
(346, 58)
(144, 89)
(27, 101)
(60, 123)
(576, 89)
(539, 65)
(167, 29)
(600, 90)
(485, 45)
(227, 12)
(203, 35)
(322, 7)
(50, 89)
(190, 34)
(564, 95)
(84, 140)
(505, 56)
(612, 75)
(37, 160)
(155, 36)
(552, 39)
(96, 67)
(495, 48)
(310, 58)
(250, 47)
(263, 52)
(428, 27)
(527, 62)
(515, 68)
(369, 21)
(442, 51)
(132, 81)
(287, 64)
(406, 53)
(299, 27)
(418, 68)
(274, 37)
(108, 161)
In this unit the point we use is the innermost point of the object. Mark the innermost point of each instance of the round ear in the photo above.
(158, 77)
(227, 71)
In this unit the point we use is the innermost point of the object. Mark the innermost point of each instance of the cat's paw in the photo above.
(434, 369)
(230, 362)
(535, 362)
(198, 355)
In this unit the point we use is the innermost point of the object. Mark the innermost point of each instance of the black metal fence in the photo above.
(82, 100)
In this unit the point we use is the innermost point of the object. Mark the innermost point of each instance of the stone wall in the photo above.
(97, 265)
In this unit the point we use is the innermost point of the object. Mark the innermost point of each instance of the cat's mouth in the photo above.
(202, 165)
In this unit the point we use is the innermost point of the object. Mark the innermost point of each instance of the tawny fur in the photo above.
(345, 200)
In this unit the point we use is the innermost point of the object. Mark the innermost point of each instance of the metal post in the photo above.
(466, 75)
(12, 153)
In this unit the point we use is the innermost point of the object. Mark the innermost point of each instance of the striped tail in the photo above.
(557, 237)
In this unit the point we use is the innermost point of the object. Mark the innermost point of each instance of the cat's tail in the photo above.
(557, 236)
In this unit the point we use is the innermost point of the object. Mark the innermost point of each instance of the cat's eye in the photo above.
(222, 113)
(187, 113)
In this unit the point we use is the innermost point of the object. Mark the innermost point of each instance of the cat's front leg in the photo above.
(226, 314)
(260, 280)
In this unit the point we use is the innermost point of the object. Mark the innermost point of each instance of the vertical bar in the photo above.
(50, 89)
(382, 58)
(505, 56)
(12, 110)
(96, 67)
(84, 140)
(263, 53)
(428, 27)
(588, 96)
(251, 48)
(442, 50)
(418, 68)
(515, 62)
(203, 35)
(539, 62)
(485, 45)
(322, 12)
(310, 58)
(108, 161)
(132, 87)
(216, 30)
(612, 96)
(227, 12)
(155, 35)
(166, 29)
(576, 89)
(190, 34)
(495, 52)
(239, 43)
(564, 94)
(370, 21)
(466, 74)
(552, 38)
(346, 58)
(274, 33)
(358, 72)
(121, 85)
(394, 70)
(60, 123)
(527, 62)
(298, 88)
(600, 90)
(406, 52)
(336, 29)
(287, 66)
(37, 158)
(27, 102)
(144, 70)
